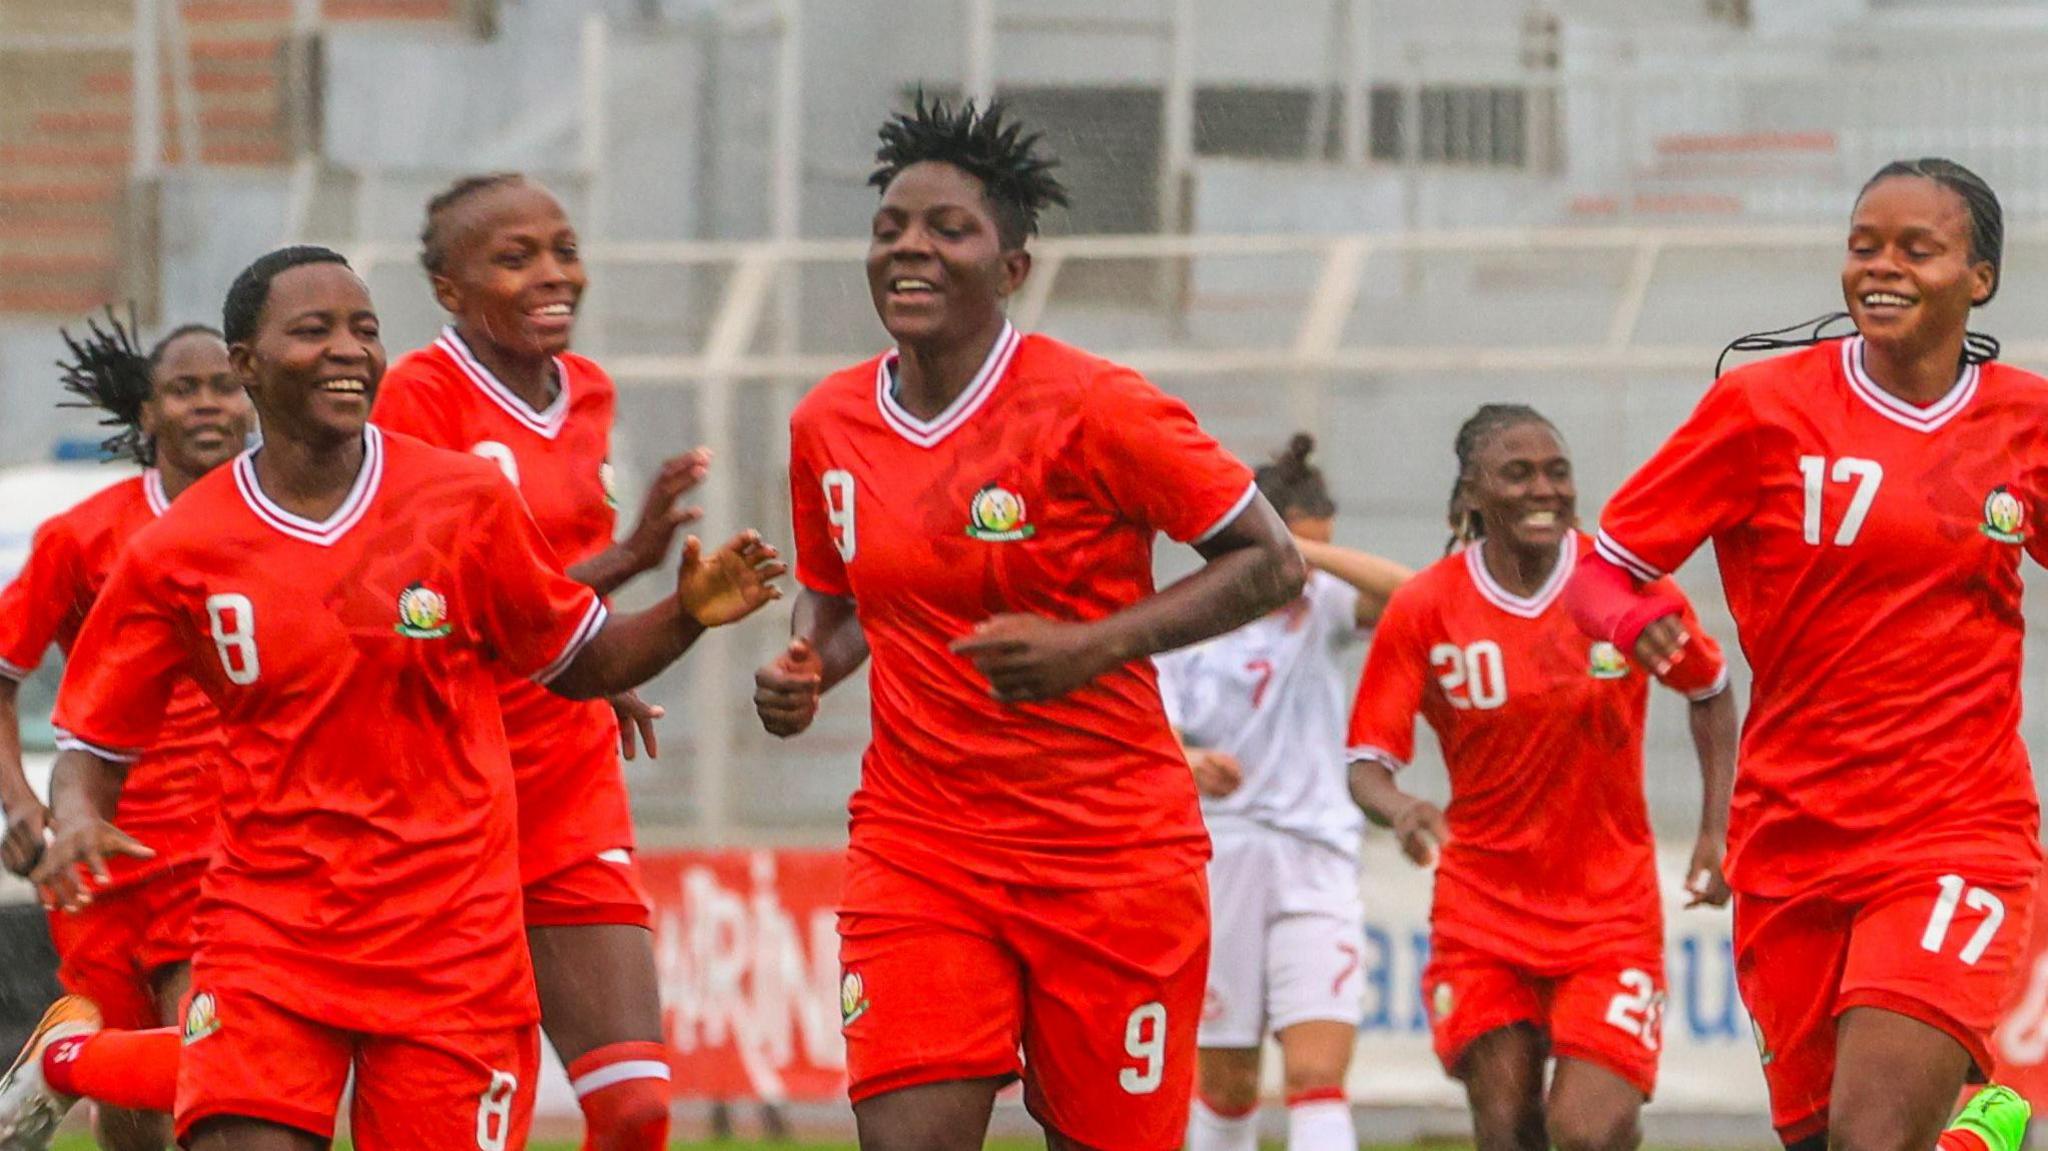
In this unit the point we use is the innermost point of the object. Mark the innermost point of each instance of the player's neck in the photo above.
(309, 480)
(532, 379)
(174, 479)
(930, 376)
(1522, 573)
(1916, 374)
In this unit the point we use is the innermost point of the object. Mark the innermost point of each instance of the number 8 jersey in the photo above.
(1870, 549)
(1551, 854)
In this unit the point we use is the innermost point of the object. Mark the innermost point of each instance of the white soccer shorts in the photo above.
(1287, 938)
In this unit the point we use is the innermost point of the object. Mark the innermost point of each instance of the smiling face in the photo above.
(1909, 277)
(1521, 486)
(197, 415)
(315, 360)
(513, 271)
(937, 270)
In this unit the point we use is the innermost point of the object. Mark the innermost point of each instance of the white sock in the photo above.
(1320, 1124)
(1208, 1131)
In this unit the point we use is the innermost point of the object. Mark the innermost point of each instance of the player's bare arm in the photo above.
(1714, 738)
(646, 547)
(84, 791)
(1253, 567)
(26, 815)
(712, 590)
(826, 645)
(1417, 823)
(1375, 577)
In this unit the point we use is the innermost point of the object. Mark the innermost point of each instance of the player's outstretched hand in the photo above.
(23, 844)
(636, 724)
(1662, 645)
(1705, 886)
(1217, 773)
(76, 861)
(731, 583)
(1421, 829)
(786, 689)
(660, 517)
(1030, 657)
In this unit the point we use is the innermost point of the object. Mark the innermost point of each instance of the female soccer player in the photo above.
(181, 413)
(1261, 713)
(349, 599)
(977, 507)
(1868, 499)
(501, 383)
(1547, 933)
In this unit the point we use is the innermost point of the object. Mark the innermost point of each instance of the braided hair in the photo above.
(1291, 484)
(434, 234)
(1466, 525)
(1014, 174)
(1987, 245)
(109, 371)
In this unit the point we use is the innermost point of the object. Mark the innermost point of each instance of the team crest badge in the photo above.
(1606, 662)
(1440, 1001)
(609, 478)
(853, 998)
(997, 513)
(422, 613)
(2005, 517)
(202, 1018)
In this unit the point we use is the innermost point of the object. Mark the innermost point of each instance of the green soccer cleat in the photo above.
(1999, 1117)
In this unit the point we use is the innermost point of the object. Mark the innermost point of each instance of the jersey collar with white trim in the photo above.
(1919, 417)
(329, 531)
(546, 422)
(926, 433)
(1527, 607)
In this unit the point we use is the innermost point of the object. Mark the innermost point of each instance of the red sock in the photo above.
(623, 1089)
(133, 1069)
(1960, 1139)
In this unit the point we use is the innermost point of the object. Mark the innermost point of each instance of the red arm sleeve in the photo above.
(1155, 464)
(823, 519)
(34, 607)
(533, 618)
(1603, 599)
(1701, 671)
(124, 664)
(1702, 482)
(1390, 691)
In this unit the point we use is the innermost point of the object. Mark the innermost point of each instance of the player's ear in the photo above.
(1016, 268)
(447, 294)
(242, 358)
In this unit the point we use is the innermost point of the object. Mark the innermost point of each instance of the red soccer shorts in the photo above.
(604, 888)
(1942, 949)
(1607, 1011)
(247, 1057)
(946, 974)
(112, 951)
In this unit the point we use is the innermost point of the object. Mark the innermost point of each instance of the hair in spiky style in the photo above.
(1015, 175)
(108, 371)
(434, 233)
(1467, 527)
(1291, 484)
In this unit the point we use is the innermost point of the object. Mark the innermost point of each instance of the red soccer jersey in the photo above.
(173, 788)
(367, 875)
(1542, 730)
(1038, 490)
(1870, 550)
(559, 461)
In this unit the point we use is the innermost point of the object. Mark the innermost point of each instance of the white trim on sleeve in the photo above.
(1611, 550)
(14, 671)
(1380, 755)
(593, 622)
(1719, 685)
(69, 742)
(1244, 501)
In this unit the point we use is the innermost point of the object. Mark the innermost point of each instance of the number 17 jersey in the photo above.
(1870, 549)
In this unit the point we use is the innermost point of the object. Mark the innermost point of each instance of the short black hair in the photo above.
(1987, 218)
(1291, 484)
(108, 371)
(434, 232)
(241, 311)
(1015, 173)
(1466, 525)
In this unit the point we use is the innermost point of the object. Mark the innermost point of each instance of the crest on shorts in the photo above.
(1441, 1001)
(609, 478)
(422, 613)
(996, 513)
(1606, 662)
(202, 1018)
(853, 998)
(2005, 517)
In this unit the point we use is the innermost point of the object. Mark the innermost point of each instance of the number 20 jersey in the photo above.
(1039, 491)
(1870, 549)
